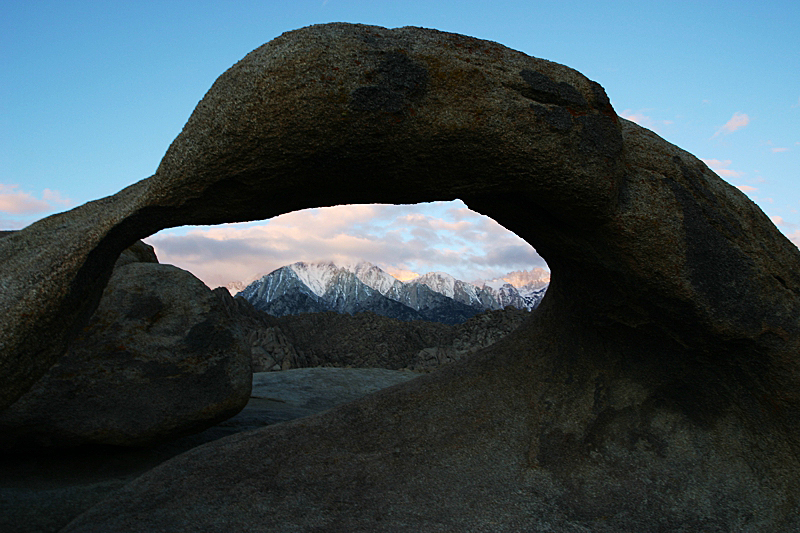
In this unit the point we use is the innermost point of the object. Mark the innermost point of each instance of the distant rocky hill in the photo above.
(364, 339)
(436, 296)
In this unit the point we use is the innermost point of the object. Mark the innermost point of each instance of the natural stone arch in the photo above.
(672, 294)
(337, 114)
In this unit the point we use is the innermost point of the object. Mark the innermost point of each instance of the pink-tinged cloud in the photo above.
(719, 167)
(637, 117)
(789, 229)
(716, 163)
(402, 275)
(746, 188)
(782, 223)
(644, 120)
(736, 122)
(403, 240)
(778, 150)
(54, 197)
(728, 173)
(794, 237)
(17, 202)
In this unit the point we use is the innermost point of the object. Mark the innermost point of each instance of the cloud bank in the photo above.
(14, 201)
(402, 239)
(17, 202)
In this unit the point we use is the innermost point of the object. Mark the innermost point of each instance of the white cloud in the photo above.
(401, 239)
(737, 121)
(778, 150)
(17, 202)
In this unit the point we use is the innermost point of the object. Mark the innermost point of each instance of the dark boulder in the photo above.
(160, 358)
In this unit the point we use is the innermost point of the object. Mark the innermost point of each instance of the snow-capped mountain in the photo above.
(316, 287)
(375, 277)
(437, 296)
(460, 291)
(522, 289)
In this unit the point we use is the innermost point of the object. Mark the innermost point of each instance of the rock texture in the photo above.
(367, 340)
(43, 492)
(270, 349)
(364, 340)
(160, 358)
(655, 388)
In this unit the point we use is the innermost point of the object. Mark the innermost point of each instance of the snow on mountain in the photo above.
(493, 284)
(522, 288)
(533, 297)
(276, 284)
(317, 276)
(441, 282)
(460, 291)
(374, 277)
(363, 286)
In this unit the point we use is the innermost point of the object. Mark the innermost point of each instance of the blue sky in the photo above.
(92, 94)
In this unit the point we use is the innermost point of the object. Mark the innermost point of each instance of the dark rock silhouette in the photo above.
(656, 387)
(160, 358)
(369, 340)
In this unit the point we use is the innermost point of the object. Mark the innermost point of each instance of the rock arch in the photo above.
(673, 313)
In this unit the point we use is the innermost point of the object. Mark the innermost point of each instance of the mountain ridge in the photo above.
(304, 287)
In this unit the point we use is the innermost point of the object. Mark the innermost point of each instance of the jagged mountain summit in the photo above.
(436, 296)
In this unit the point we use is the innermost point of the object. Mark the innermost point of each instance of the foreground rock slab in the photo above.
(42, 492)
(655, 388)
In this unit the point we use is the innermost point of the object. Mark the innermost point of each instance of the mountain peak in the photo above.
(361, 285)
(441, 282)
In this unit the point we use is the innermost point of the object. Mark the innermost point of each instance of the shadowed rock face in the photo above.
(655, 387)
(160, 358)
